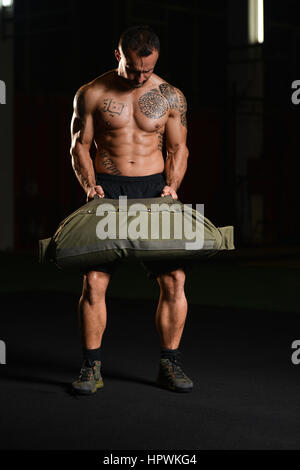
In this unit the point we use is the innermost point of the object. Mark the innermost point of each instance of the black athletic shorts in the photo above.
(135, 187)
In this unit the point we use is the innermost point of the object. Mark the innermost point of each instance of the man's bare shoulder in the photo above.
(90, 92)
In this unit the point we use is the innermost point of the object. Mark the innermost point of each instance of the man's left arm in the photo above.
(177, 151)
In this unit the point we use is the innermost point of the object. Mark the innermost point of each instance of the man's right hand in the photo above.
(92, 191)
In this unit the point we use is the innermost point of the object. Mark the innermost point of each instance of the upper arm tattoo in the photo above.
(182, 108)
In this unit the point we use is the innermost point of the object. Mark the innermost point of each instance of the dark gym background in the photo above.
(243, 137)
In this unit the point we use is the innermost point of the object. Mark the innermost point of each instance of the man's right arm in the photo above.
(82, 134)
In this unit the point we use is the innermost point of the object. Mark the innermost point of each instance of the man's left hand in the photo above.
(168, 191)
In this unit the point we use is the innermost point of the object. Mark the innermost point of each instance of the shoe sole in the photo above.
(173, 389)
(98, 386)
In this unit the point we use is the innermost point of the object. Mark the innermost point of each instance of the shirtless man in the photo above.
(128, 112)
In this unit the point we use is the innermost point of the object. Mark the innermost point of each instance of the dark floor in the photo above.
(247, 391)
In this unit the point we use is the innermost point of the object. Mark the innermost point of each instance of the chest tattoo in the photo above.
(112, 107)
(153, 105)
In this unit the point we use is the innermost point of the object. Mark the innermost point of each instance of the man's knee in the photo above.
(172, 283)
(95, 284)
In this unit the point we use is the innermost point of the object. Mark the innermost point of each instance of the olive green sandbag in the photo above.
(105, 230)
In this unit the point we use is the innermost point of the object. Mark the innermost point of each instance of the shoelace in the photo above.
(175, 369)
(86, 373)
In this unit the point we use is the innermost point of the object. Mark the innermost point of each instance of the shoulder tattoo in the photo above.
(169, 93)
(176, 100)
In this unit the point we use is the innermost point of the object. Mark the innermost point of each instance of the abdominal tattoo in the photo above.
(160, 140)
(109, 164)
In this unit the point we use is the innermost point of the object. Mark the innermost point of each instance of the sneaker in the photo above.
(172, 377)
(89, 379)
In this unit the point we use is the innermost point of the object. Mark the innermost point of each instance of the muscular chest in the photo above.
(148, 110)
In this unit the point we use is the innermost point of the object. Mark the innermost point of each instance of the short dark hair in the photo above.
(141, 39)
